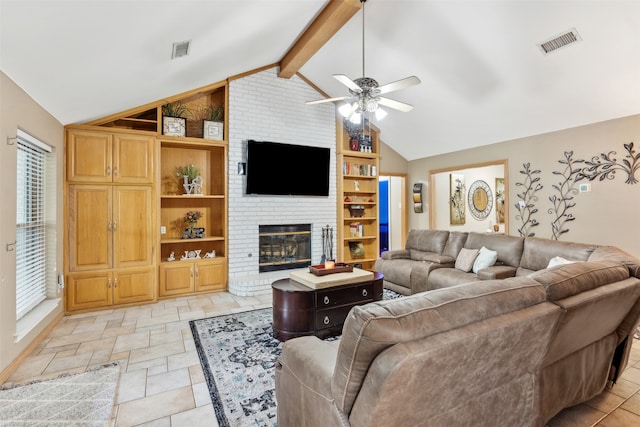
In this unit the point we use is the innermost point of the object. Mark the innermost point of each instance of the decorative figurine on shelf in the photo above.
(194, 187)
(211, 254)
(189, 174)
(191, 255)
(356, 185)
(172, 257)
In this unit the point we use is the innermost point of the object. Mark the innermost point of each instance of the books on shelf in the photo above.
(358, 169)
(356, 229)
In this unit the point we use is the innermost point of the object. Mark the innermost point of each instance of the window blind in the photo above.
(31, 226)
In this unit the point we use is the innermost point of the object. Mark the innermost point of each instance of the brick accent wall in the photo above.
(264, 107)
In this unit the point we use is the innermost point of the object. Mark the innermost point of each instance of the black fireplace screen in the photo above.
(284, 246)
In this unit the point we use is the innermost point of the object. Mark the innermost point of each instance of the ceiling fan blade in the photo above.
(347, 82)
(320, 101)
(397, 85)
(396, 105)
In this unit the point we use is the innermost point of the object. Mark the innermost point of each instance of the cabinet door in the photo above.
(133, 285)
(132, 226)
(88, 290)
(90, 236)
(176, 278)
(88, 156)
(133, 159)
(210, 275)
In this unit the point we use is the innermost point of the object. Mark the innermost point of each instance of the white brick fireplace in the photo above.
(264, 107)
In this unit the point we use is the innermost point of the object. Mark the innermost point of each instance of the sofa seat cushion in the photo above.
(447, 277)
(417, 255)
(369, 329)
(496, 272)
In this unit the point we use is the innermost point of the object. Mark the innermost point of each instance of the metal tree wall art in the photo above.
(605, 166)
(525, 204)
(566, 189)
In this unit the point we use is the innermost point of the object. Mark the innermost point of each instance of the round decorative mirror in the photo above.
(480, 199)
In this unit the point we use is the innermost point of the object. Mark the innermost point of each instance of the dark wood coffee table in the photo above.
(300, 310)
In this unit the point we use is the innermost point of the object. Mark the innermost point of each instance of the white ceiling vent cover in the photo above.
(180, 49)
(565, 39)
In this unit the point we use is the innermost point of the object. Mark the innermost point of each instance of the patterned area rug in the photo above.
(238, 354)
(79, 400)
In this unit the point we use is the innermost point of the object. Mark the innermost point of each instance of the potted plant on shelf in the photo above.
(213, 124)
(173, 121)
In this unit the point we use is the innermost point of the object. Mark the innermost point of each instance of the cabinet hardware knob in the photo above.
(364, 293)
(191, 271)
(108, 283)
(326, 320)
(114, 226)
(108, 170)
(326, 300)
(115, 171)
(115, 282)
(197, 272)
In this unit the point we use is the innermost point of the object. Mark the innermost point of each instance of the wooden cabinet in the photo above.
(110, 218)
(95, 156)
(184, 277)
(358, 233)
(109, 227)
(99, 289)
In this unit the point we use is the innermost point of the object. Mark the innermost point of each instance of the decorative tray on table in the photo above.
(340, 267)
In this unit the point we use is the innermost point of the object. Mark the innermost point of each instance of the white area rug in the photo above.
(79, 400)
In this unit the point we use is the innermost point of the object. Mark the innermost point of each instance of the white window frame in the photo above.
(35, 222)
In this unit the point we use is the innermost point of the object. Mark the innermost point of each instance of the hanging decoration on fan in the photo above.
(365, 92)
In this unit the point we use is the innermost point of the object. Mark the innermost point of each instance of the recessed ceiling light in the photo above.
(180, 49)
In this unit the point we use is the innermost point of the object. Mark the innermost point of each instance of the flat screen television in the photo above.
(286, 169)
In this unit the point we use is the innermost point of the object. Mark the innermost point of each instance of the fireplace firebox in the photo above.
(284, 247)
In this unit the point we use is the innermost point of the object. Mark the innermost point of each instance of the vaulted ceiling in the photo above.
(484, 78)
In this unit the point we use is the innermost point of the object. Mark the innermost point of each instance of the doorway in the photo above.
(392, 211)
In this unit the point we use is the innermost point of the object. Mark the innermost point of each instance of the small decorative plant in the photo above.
(191, 171)
(192, 217)
(177, 109)
(209, 112)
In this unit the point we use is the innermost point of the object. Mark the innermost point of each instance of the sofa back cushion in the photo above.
(371, 328)
(509, 248)
(455, 242)
(610, 253)
(427, 240)
(538, 252)
(566, 280)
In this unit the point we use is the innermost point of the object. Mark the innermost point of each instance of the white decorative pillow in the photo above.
(486, 258)
(558, 260)
(465, 259)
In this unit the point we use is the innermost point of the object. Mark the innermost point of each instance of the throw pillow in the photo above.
(486, 258)
(465, 259)
(558, 260)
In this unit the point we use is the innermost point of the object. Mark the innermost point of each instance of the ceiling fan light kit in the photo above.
(365, 92)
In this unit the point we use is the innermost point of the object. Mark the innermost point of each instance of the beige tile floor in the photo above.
(162, 383)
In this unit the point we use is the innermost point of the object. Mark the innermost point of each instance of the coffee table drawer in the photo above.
(345, 295)
(332, 317)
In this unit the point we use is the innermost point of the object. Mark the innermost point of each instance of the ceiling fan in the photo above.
(365, 92)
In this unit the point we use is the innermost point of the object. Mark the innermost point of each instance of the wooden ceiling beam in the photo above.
(335, 14)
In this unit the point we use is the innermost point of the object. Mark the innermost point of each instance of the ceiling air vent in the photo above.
(180, 49)
(565, 39)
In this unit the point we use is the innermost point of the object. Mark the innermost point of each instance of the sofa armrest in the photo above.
(396, 254)
(303, 375)
(496, 272)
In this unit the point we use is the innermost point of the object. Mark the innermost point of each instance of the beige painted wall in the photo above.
(607, 215)
(390, 161)
(18, 110)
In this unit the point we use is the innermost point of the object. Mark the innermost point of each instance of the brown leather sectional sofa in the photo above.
(486, 352)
